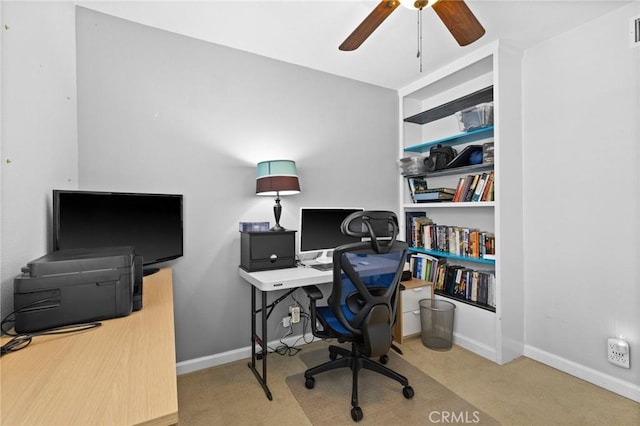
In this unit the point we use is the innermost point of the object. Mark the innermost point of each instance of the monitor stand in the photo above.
(326, 256)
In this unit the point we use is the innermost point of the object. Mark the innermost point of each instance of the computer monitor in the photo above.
(319, 230)
(150, 223)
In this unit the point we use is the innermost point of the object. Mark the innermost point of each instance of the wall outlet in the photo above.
(618, 352)
(286, 321)
(295, 314)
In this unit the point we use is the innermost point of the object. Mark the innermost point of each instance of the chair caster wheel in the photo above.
(384, 359)
(356, 414)
(309, 383)
(407, 391)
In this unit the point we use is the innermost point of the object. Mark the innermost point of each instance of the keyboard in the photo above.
(322, 266)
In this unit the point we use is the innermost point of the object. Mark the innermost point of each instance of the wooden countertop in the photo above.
(122, 373)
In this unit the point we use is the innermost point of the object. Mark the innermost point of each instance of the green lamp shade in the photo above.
(277, 177)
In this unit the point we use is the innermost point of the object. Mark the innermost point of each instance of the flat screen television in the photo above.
(320, 232)
(151, 223)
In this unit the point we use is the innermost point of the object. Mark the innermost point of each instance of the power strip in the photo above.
(295, 314)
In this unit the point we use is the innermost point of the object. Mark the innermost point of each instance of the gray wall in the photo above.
(581, 132)
(159, 112)
(39, 141)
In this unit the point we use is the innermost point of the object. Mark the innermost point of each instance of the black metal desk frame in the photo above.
(262, 339)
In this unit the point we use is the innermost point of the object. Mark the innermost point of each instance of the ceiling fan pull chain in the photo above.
(419, 55)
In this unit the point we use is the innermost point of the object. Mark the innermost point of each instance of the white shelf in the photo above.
(498, 336)
(445, 205)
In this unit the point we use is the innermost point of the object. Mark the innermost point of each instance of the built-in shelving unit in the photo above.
(427, 116)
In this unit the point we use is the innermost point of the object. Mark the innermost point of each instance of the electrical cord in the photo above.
(22, 340)
(285, 349)
(7, 319)
(292, 350)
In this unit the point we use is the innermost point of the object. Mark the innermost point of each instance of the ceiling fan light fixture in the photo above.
(417, 4)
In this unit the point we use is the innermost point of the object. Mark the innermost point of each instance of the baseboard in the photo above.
(475, 347)
(209, 361)
(613, 384)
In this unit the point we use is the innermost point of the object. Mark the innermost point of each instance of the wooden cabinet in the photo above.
(408, 317)
(427, 114)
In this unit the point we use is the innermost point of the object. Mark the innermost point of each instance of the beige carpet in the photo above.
(381, 399)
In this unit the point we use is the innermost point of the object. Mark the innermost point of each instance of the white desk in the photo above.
(282, 279)
(265, 281)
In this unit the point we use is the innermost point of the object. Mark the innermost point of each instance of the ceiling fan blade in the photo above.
(459, 20)
(370, 23)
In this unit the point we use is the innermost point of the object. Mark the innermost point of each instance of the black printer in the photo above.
(77, 285)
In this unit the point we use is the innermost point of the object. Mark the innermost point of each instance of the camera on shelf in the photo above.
(439, 157)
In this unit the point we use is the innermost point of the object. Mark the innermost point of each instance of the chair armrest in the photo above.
(313, 292)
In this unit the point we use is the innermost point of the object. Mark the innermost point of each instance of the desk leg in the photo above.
(262, 341)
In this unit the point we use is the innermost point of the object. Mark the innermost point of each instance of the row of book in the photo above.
(422, 232)
(454, 280)
(466, 284)
(423, 266)
(478, 187)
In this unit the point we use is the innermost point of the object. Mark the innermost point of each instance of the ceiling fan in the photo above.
(454, 14)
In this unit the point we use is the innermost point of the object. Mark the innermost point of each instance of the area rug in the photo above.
(380, 398)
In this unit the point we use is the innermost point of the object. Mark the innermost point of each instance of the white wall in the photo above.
(160, 112)
(581, 195)
(39, 139)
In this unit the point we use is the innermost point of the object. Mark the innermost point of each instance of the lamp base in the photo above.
(277, 211)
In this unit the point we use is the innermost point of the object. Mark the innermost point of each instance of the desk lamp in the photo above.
(277, 177)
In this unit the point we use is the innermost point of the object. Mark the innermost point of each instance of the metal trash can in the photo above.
(436, 317)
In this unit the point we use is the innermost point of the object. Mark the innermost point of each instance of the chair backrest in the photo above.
(366, 277)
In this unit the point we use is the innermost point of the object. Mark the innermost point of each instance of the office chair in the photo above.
(362, 305)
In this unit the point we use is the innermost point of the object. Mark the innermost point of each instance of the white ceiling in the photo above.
(308, 33)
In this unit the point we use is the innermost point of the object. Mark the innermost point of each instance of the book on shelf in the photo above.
(487, 193)
(477, 194)
(414, 224)
(459, 189)
(465, 188)
(417, 185)
(427, 197)
(442, 190)
(474, 187)
(423, 266)
(468, 284)
(409, 217)
(421, 193)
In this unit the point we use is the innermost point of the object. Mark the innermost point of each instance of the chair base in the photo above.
(341, 357)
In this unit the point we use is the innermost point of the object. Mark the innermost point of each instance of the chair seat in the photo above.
(332, 321)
